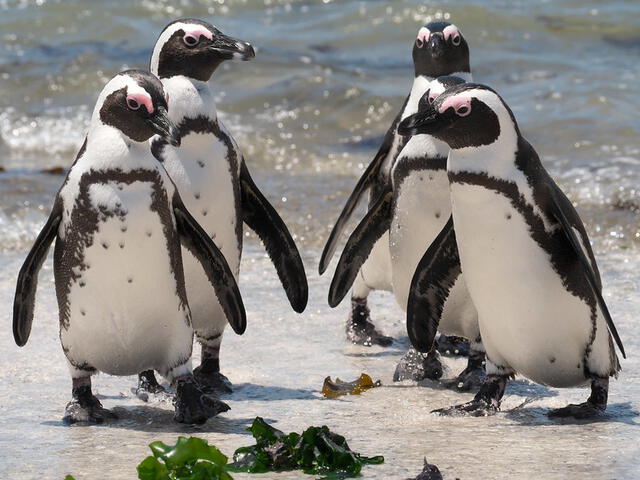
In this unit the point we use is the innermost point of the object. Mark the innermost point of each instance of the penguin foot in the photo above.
(453, 346)
(193, 406)
(365, 333)
(212, 382)
(474, 408)
(85, 409)
(472, 377)
(578, 411)
(467, 381)
(148, 386)
(360, 331)
(417, 366)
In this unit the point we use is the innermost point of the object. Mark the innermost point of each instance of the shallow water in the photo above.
(309, 113)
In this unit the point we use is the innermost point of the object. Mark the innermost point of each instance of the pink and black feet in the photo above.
(360, 330)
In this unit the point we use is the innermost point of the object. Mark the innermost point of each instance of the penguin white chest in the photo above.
(125, 313)
(203, 170)
(421, 209)
(529, 321)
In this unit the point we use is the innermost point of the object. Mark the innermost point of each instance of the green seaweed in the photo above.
(317, 451)
(189, 459)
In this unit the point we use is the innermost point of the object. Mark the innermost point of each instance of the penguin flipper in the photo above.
(263, 219)
(434, 276)
(364, 182)
(359, 246)
(25, 297)
(558, 205)
(196, 240)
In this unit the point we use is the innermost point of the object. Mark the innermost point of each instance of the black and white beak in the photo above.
(231, 48)
(160, 124)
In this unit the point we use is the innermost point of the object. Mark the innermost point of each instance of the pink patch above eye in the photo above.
(457, 103)
(433, 97)
(423, 34)
(199, 31)
(449, 31)
(142, 99)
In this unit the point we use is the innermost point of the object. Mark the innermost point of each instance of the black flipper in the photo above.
(558, 204)
(24, 300)
(196, 240)
(359, 246)
(262, 218)
(364, 183)
(434, 276)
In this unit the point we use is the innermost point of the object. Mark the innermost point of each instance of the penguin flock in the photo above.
(464, 226)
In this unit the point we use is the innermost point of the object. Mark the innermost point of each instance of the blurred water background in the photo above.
(309, 113)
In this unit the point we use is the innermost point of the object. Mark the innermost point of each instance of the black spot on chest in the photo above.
(81, 228)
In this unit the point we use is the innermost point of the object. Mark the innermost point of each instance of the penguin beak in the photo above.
(427, 121)
(436, 44)
(160, 124)
(231, 48)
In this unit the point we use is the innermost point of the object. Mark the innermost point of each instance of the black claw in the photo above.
(417, 366)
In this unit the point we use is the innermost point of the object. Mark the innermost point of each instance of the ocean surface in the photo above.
(309, 113)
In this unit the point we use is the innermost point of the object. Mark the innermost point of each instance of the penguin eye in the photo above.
(133, 104)
(463, 110)
(191, 40)
(455, 39)
(431, 99)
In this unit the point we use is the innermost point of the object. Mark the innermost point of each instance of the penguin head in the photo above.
(465, 115)
(134, 102)
(436, 88)
(195, 48)
(440, 49)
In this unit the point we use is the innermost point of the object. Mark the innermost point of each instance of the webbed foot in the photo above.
(594, 407)
(474, 408)
(148, 386)
(453, 346)
(472, 377)
(485, 403)
(193, 406)
(578, 411)
(86, 409)
(417, 366)
(360, 331)
(212, 382)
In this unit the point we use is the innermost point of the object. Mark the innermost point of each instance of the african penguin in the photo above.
(118, 222)
(214, 181)
(526, 257)
(413, 210)
(439, 49)
(419, 208)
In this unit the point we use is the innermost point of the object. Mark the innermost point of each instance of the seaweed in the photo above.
(317, 451)
(331, 389)
(189, 459)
